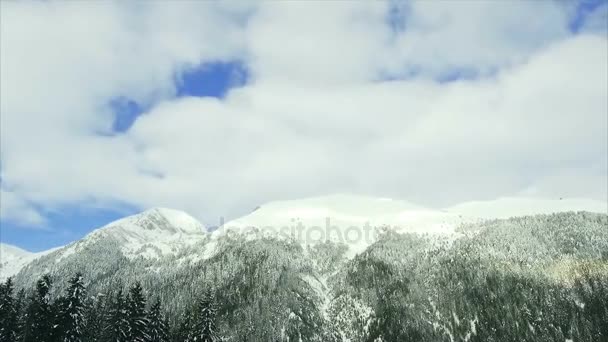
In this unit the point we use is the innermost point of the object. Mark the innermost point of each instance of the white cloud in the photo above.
(314, 120)
(17, 209)
(316, 42)
(476, 35)
(62, 62)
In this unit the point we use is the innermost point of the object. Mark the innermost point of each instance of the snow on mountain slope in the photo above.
(150, 234)
(9, 252)
(350, 219)
(13, 259)
(353, 220)
(513, 206)
(160, 220)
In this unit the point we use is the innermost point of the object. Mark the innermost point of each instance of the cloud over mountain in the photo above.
(428, 103)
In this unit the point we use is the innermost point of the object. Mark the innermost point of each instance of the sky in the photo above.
(109, 108)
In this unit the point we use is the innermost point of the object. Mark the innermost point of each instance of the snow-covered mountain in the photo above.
(9, 252)
(329, 291)
(349, 219)
(149, 234)
(13, 259)
(356, 220)
(506, 207)
(153, 233)
(343, 211)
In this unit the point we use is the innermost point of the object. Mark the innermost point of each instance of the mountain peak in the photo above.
(9, 251)
(162, 219)
(13, 258)
(350, 219)
(150, 234)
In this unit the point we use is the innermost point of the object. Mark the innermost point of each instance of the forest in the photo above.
(123, 316)
(538, 278)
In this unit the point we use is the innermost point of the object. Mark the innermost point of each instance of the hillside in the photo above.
(405, 284)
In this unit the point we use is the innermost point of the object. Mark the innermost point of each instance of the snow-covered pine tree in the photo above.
(157, 326)
(72, 310)
(116, 327)
(205, 328)
(136, 312)
(184, 327)
(8, 312)
(94, 319)
(20, 315)
(38, 324)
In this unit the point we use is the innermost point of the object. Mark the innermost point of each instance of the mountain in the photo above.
(150, 234)
(9, 252)
(425, 275)
(153, 233)
(517, 206)
(348, 219)
(13, 259)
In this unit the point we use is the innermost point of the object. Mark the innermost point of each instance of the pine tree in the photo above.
(205, 327)
(20, 315)
(38, 324)
(117, 322)
(136, 311)
(157, 327)
(57, 325)
(184, 328)
(8, 313)
(94, 319)
(71, 309)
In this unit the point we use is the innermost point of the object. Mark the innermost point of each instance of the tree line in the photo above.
(121, 316)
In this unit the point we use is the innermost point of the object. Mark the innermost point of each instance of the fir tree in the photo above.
(184, 329)
(8, 313)
(157, 327)
(38, 324)
(136, 311)
(117, 322)
(94, 319)
(205, 328)
(71, 313)
(20, 315)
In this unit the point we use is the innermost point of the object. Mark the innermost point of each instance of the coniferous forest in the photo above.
(122, 315)
(539, 278)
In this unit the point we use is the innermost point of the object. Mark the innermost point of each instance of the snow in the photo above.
(506, 207)
(319, 285)
(163, 219)
(10, 252)
(343, 211)
(349, 219)
(355, 220)
(150, 234)
(13, 259)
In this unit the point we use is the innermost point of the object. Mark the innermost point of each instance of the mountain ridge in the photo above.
(158, 231)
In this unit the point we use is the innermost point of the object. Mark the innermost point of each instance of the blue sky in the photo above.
(287, 131)
(584, 9)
